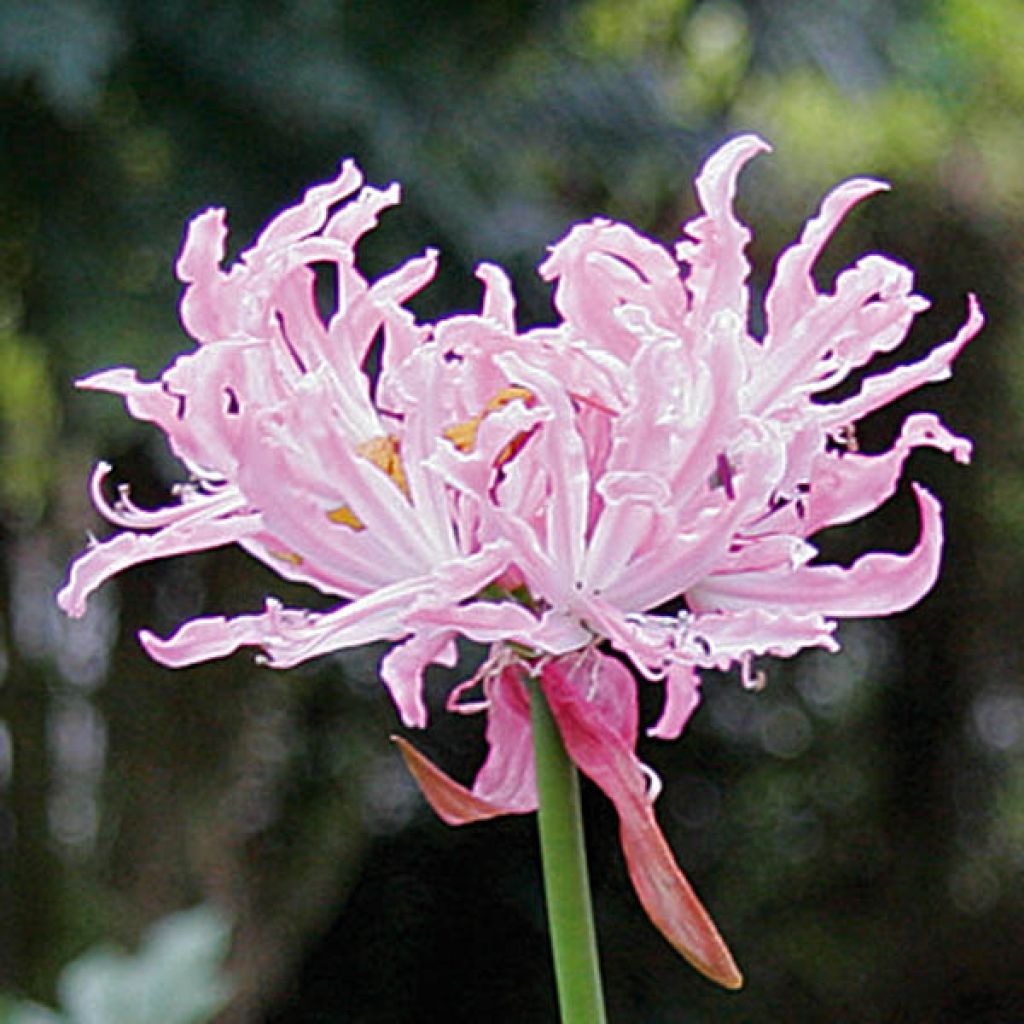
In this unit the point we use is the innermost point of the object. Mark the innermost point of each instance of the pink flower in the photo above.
(699, 473)
(541, 492)
(290, 455)
(690, 464)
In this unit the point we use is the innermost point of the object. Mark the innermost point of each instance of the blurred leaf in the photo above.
(29, 421)
(174, 979)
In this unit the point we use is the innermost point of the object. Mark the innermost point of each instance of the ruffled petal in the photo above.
(715, 242)
(876, 584)
(870, 312)
(721, 640)
(847, 486)
(793, 293)
(287, 636)
(101, 561)
(599, 751)
(884, 388)
(601, 265)
(490, 622)
(401, 671)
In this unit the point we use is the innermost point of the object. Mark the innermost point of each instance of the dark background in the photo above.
(857, 829)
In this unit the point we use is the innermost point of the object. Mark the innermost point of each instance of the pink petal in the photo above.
(876, 584)
(884, 388)
(682, 695)
(870, 312)
(667, 570)
(793, 293)
(507, 777)
(847, 486)
(291, 637)
(682, 412)
(601, 265)
(499, 302)
(401, 671)
(600, 752)
(204, 639)
(716, 241)
(101, 561)
(490, 622)
(453, 803)
(560, 450)
(721, 640)
(310, 213)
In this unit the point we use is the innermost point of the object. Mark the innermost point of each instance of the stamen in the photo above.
(384, 452)
(845, 438)
(287, 556)
(463, 435)
(346, 517)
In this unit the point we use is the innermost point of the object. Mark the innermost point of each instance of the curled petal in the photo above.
(288, 637)
(600, 752)
(793, 292)
(402, 668)
(452, 802)
(204, 639)
(870, 312)
(887, 387)
(601, 265)
(311, 212)
(876, 584)
(682, 695)
(846, 486)
(717, 240)
(499, 302)
(102, 561)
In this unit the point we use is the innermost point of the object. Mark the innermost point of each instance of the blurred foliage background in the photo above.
(857, 828)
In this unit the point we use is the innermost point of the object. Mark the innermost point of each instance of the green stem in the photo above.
(566, 883)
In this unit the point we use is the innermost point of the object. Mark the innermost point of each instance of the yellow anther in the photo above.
(463, 435)
(506, 395)
(384, 453)
(345, 517)
(286, 556)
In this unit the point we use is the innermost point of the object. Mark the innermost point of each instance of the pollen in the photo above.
(287, 556)
(384, 452)
(463, 435)
(346, 517)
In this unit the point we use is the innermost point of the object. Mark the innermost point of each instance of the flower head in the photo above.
(296, 454)
(545, 492)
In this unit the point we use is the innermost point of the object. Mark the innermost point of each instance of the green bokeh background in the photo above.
(857, 828)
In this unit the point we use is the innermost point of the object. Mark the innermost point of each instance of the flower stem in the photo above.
(566, 882)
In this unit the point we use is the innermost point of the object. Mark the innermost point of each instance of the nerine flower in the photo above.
(292, 454)
(545, 492)
(694, 479)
